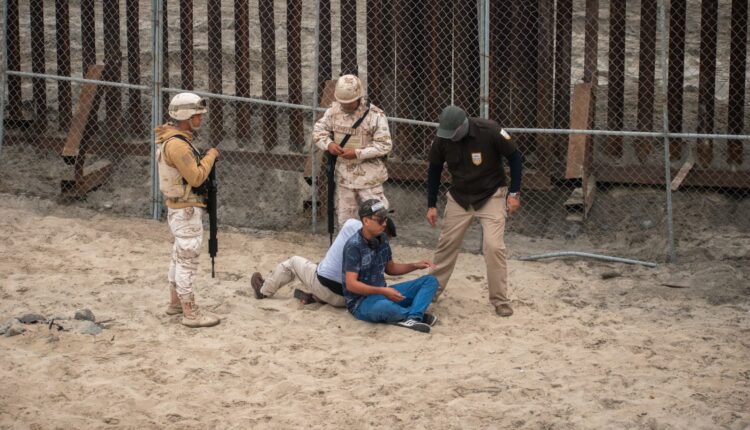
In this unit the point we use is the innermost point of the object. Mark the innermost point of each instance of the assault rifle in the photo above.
(213, 218)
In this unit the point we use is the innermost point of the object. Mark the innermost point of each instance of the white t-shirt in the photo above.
(330, 267)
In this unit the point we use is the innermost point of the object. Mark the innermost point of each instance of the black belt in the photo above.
(334, 286)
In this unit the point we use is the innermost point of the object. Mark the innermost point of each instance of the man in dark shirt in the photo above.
(367, 258)
(474, 148)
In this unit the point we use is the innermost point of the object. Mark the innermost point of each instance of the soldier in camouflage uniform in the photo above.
(182, 172)
(360, 168)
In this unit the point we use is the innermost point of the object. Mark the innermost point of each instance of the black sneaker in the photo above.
(303, 297)
(429, 319)
(414, 325)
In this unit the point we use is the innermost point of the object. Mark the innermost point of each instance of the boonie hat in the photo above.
(451, 118)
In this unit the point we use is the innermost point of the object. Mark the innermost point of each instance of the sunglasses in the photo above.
(379, 220)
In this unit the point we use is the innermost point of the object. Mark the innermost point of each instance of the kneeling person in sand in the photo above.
(367, 258)
(320, 283)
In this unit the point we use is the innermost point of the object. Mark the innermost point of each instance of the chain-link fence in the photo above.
(587, 88)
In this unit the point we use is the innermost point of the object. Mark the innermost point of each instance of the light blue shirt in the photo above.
(330, 267)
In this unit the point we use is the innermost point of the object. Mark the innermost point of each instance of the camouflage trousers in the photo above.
(348, 200)
(187, 228)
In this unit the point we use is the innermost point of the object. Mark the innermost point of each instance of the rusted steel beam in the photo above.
(563, 43)
(135, 110)
(215, 106)
(707, 79)
(466, 56)
(186, 44)
(676, 79)
(591, 36)
(165, 64)
(64, 93)
(36, 18)
(439, 67)
(545, 84)
(737, 67)
(242, 69)
(268, 72)
(646, 72)
(112, 64)
(501, 60)
(654, 175)
(380, 63)
(410, 67)
(294, 75)
(88, 35)
(348, 37)
(324, 44)
(524, 66)
(616, 86)
(15, 111)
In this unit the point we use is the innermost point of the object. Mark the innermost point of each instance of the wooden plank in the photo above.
(380, 56)
(465, 50)
(501, 54)
(577, 143)
(616, 85)
(438, 91)
(410, 71)
(349, 37)
(186, 45)
(707, 80)
(39, 85)
(654, 175)
(91, 177)
(646, 71)
(524, 65)
(268, 72)
(545, 84)
(684, 170)
(737, 67)
(294, 75)
(215, 106)
(136, 123)
(86, 107)
(563, 43)
(242, 70)
(64, 93)
(676, 79)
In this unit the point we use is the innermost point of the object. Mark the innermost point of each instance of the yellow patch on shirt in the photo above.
(476, 158)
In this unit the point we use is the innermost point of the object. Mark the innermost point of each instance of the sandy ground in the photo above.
(580, 351)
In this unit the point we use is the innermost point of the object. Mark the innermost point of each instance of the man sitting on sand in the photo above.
(367, 258)
(320, 283)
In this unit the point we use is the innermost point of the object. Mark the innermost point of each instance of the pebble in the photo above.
(6, 325)
(88, 327)
(646, 224)
(31, 318)
(85, 314)
(16, 328)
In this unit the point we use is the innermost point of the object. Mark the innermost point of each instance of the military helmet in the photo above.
(348, 89)
(184, 105)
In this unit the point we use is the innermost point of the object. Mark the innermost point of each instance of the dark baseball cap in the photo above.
(451, 118)
(373, 207)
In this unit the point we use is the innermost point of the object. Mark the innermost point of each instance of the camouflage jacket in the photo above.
(371, 141)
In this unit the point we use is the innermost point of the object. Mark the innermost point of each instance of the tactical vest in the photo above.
(171, 183)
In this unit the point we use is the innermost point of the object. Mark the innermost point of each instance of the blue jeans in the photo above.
(417, 294)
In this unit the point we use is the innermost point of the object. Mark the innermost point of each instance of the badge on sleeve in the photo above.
(476, 158)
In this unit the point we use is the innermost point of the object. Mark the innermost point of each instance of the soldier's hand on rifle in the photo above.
(349, 154)
(335, 148)
(214, 151)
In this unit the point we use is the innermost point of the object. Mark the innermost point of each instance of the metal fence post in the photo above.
(483, 7)
(156, 113)
(314, 164)
(671, 257)
(4, 75)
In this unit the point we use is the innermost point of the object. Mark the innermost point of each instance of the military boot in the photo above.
(175, 307)
(192, 316)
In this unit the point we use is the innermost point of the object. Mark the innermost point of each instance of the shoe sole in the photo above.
(418, 326)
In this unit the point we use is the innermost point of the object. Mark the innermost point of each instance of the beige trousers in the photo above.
(306, 271)
(455, 223)
(348, 200)
(187, 228)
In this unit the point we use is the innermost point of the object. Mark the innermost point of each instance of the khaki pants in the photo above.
(456, 222)
(348, 200)
(306, 271)
(187, 228)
